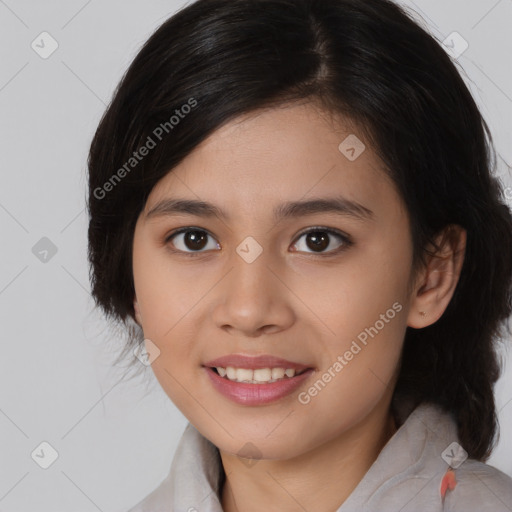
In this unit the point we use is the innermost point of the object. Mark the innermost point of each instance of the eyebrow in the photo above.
(337, 205)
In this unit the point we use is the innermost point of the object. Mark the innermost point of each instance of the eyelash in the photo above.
(345, 239)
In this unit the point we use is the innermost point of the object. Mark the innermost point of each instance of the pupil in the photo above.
(195, 239)
(319, 239)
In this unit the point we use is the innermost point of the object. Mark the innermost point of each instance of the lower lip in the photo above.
(256, 394)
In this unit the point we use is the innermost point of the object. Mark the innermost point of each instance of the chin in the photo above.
(255, 445)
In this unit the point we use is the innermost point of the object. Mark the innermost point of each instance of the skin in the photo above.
(291, 302)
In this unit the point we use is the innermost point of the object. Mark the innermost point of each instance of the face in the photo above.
(300, 251)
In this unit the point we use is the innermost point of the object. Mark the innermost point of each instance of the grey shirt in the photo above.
(405, 477)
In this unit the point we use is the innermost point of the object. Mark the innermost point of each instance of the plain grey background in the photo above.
(115, 438)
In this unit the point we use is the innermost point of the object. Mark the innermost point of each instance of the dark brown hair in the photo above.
(370, 62)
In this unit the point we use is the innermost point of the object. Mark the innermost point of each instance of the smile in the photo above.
(252, 392)
(258, 376)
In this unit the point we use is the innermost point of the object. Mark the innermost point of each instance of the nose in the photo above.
(253, 298)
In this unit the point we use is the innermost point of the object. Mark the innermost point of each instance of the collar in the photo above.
(407, 466)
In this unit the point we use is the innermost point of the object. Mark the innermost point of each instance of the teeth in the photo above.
(255, 376)
(278, 373)
(243, 375)
(262, 375)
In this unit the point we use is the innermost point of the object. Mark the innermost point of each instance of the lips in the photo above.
(259, 394)
(255, 362)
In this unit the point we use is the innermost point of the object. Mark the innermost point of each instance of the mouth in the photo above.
(256, 380)
(257, 376)
(256, 369)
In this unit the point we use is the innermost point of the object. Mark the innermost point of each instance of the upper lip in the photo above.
(254, 362)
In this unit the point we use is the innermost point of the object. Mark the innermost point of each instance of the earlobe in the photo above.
(439, 278)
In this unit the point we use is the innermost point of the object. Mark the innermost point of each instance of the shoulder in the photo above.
(157, 501)
(193, 478)
(481, 487)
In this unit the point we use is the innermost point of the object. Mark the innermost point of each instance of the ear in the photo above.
(437, 281)
(138, 316)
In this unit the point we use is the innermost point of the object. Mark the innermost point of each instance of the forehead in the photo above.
(275, 155)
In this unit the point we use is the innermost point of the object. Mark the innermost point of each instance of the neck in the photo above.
(320, 479)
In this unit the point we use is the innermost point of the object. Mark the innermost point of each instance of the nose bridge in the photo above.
(250, 279)
(252, 296)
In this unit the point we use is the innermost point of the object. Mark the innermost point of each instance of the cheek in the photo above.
(164, 296)
(365, 310)
(353, 295)
(164, 302)
(179, 385)
(357, 371)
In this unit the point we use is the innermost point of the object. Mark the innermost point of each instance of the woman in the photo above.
(294, 201)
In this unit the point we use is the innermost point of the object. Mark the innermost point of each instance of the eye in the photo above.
(191, 240)
(318, 239)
